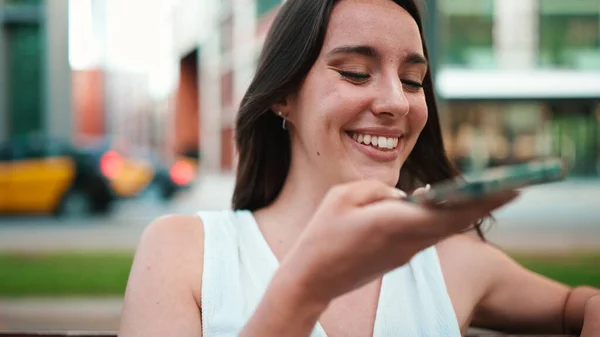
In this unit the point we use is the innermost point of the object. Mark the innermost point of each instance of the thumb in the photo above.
(422, 190)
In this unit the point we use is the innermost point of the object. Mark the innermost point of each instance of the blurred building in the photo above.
(82, 70)
(518, 79)
(35, 86)
(135, 71)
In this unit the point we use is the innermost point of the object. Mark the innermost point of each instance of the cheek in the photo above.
(328, 105)
(418, 116)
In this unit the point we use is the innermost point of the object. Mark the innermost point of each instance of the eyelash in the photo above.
(361, 78)
(354, 77)
(413, 84)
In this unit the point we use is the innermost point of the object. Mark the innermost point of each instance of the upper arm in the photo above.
(517, 299)
(163, 291)
(490, 290)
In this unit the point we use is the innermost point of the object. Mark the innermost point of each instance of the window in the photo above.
(23, 2)
(486, 134)
(227, 89)
(227, 34)
(25, 77)
(263, 6)
(466, 35)
(570, 34)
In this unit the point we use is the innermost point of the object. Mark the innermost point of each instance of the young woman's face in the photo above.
(361, 108)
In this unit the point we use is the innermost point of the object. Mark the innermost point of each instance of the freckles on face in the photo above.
(324, 105)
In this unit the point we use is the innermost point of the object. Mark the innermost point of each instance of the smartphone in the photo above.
(494, 180)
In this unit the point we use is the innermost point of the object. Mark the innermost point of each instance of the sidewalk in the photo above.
(78, 314)
(555, 216)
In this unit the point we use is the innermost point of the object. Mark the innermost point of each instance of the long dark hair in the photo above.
(292, 46)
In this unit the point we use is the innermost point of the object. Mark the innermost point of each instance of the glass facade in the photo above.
(263, 6)
(25, 53)
(569, 34)
(486, 134)
(482, 132)
(466, 34)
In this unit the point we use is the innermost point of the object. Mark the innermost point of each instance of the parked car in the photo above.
(41, 175)
(127, 172)
(176, 176)
(132, 170)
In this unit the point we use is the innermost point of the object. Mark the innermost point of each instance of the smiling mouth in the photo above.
(379, 142)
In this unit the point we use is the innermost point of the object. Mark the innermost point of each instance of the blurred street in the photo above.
(558, 216)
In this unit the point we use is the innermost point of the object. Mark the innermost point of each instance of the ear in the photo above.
(285, 106)
(281, 107)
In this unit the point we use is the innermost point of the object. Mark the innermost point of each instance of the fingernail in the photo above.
(400, 193)
(427, 187)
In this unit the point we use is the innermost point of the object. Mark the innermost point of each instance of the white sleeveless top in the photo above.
(238, 265)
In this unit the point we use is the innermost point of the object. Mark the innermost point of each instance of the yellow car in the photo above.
(40, 175)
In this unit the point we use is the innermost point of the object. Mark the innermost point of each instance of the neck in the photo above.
(298, 200)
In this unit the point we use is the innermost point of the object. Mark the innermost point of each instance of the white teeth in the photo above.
(377, 141)
(391, 142)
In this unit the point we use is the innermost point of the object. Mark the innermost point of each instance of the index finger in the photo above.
(406, 217)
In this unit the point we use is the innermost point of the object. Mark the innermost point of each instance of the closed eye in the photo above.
(412, 85)
(354, 77)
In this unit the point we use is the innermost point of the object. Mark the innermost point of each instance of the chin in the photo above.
(388, 176)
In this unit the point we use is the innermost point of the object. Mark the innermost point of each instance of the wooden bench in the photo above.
(58, 334)
(113, 334)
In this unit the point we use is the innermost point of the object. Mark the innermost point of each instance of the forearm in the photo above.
(591, 325)
(576, 309)
(285, 310)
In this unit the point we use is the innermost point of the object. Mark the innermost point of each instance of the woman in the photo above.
(340, 118)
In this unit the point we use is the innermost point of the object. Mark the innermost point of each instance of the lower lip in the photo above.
(376, 154)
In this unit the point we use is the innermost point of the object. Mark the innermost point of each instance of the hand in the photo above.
(364, 229)
(591, 317)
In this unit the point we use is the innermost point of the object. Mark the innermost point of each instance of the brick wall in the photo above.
(88, 102)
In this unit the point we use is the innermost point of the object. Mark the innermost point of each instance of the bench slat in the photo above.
(114, 334)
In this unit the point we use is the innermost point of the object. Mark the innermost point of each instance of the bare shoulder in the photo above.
(164, 287)
(173, 247)
(175, 229)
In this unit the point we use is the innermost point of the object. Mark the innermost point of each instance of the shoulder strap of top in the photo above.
(221, 293)
(417, 293)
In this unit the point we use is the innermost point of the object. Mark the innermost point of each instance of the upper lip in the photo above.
(379, 131)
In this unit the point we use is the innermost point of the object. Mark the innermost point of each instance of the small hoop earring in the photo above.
(284, 123)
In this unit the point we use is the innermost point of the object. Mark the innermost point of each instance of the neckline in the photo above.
(267, 251)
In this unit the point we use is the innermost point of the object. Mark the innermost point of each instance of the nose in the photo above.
(390, 99)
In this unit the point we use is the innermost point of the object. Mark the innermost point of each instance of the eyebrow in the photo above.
(360, 50)
(416, 58)
(412, 58)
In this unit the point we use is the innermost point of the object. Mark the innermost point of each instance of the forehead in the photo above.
(379, 23)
